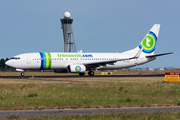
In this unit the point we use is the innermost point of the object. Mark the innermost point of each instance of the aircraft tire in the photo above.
(81, 74)
(91, 73)
(22, 74)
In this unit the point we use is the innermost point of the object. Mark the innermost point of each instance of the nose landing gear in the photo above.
(22, 74)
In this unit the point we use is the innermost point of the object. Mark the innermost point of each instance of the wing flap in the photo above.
(103, 63)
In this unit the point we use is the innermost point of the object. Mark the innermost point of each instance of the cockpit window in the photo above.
(15, 58)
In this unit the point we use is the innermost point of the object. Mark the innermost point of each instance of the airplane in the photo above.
(64, 62)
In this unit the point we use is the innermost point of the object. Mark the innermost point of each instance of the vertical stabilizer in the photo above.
(150, 40)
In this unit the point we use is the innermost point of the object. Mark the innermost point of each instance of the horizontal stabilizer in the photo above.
(150, 56)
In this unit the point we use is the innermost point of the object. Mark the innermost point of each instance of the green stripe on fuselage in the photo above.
(50, 61)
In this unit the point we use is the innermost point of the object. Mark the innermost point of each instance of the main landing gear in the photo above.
(22, 74)
(91, 73)
(81, 74)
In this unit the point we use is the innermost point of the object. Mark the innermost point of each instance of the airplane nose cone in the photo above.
(7, 63)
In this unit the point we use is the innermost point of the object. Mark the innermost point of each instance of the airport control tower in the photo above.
(66, 25)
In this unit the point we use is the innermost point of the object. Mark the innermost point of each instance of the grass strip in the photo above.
(37, 95)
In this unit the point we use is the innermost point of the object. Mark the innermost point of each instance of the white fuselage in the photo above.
(60, 61)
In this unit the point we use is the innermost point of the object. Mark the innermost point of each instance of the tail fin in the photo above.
(150, 40)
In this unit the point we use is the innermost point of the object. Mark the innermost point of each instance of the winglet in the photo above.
(138, 54)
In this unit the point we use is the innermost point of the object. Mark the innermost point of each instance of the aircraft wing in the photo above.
(103, 63)
(156, 55)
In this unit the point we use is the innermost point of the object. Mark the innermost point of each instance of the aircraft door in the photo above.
(28, 59)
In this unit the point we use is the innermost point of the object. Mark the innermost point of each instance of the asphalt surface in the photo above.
(33, 113)
(76, 76)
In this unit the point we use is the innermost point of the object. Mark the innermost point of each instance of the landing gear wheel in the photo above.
(81, 74)
(22, 74)
(91, 73)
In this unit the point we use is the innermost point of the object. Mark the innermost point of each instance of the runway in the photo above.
(77, 76)
(33, 113)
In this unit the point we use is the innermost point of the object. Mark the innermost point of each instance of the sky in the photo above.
(98, 26)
